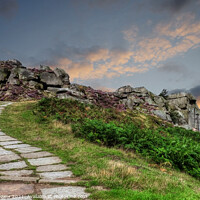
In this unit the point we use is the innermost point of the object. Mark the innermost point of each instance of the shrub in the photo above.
(161, 145)
(164, 94)
(174, 116)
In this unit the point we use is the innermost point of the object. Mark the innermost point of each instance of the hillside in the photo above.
(19, 83)
(131, 155)
(130, 143)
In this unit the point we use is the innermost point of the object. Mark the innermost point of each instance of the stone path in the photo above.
(27, 172)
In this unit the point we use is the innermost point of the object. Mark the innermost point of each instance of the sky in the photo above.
(107, 44)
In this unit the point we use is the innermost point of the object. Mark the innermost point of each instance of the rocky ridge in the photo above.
(20, 83)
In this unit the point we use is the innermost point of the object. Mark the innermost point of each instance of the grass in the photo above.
(125, 174)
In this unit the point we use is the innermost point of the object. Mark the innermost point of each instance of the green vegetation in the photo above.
(174, 116)
(119, 168)
(165, 145)
(164, 94)
(175, 146)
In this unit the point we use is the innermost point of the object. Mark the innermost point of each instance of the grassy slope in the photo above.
(127, 175)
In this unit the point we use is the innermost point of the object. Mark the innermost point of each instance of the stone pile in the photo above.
(18, 82)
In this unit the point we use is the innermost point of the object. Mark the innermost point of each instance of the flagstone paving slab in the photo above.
(16, 189)
(44, 161)
(16, 146)
(9, 157)
(17, 173)
(13, 165)
(19, 178)
(9, 143)
(56, 175)
(19, 198)
(1, 133)
(68, 181)
(4, 138)
(64, 192)
(36, 154)
(28, 149)
(5, 152)
(49, 168)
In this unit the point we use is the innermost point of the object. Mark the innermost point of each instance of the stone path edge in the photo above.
(57, 180)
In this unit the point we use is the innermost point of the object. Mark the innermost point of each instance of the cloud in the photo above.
(177, 91)
(103, 4)
(96, 55)
(174, 68)
(94, 63)
(171, 67)
(131, 33)
(165, 41)
(172, 6)
(195, 91)
(8, 8)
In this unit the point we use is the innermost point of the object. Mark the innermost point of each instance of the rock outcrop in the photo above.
(20, 83)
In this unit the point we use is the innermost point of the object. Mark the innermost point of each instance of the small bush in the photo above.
(174, 116)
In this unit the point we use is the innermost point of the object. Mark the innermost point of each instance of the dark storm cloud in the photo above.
(50, 56)
(172, 5)
(174, 68)
(8, 8)
(195, 90)
(176, 5)
(61, 50)
(177, 91)
(100, 3)
(104, 3)
(171, 67)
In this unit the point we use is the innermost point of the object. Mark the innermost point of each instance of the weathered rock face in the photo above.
(50, 79)
(62, 75)
(180, 108)
(18, 82)
(185, 106)
(4, 73)
(140, 96)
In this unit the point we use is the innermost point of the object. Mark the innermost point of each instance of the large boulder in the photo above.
(4, 73)
(160, 101)
(62, 75)
(181, 100)
(35, 85)
(162, 114)
(26, 74)
(125, 89)
(141, 91)
(14, 77)
(44, 68)
(50, 79)
(14, 62)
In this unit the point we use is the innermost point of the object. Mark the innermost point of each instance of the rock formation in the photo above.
(20, 83)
